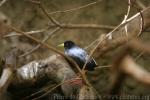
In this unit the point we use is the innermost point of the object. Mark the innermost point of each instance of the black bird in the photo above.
(79, 55)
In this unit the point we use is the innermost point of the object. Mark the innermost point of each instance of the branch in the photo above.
(118, 76)
(119, 37)
(9, 67)
(57, 51)
(139, 45)
(54, 67)
(44, 40)
(136, 71)
(85, 26)
(49, 17)
(140, 4)
(30, 32)
(2, 2)
(77, 8)
(66, 26)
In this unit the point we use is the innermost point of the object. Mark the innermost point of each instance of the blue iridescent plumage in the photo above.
(79, 55)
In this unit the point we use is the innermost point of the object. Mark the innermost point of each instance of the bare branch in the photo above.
(77, 8)
(138, 45)
(140, 4)
(2, 2)
(134, 70)
(55, 50)
(5, 81)
(134, 28)
(50, 17)
(30, 32)
(44, 40)
(85, 26)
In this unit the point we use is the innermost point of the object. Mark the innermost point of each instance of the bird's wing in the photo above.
(78, 53)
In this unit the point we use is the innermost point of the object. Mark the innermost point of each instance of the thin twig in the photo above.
(138, 45)
(142, 21)
(44, 89)
(52, 48)
(84, 26)
(73, 26)
(2, 2)
(99, 67)
(124, 22)
(54, 88)
(30, 32)
(55, 50)
(90, 44)
(133, 69)
(110, 33)
(66, 26)
(49, 17)
(118, 76)
(5, 80)
(139, 56)
(140, 4)
(77, 8)
(44, 40)
(59, 25)
(127, 21)
(126, 16)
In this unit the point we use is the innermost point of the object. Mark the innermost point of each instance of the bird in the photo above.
(79, 55)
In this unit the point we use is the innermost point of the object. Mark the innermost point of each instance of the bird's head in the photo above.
(67, 44)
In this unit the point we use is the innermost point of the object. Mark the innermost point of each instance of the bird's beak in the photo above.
(61, 45)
